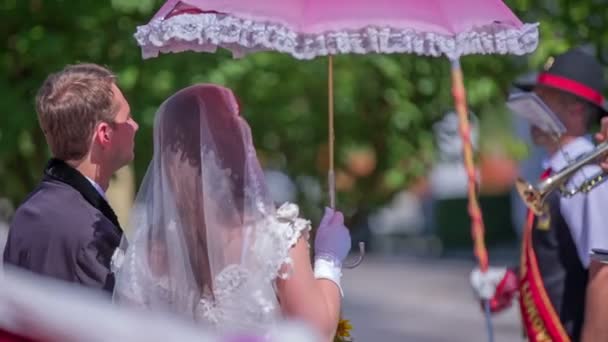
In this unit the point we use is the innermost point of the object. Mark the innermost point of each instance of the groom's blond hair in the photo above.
(70, 103)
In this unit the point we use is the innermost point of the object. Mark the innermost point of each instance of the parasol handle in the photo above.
(331, 176)
(359, 259)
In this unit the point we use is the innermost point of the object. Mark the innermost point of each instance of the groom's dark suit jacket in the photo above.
(65, 229)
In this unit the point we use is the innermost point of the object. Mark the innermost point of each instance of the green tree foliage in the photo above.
(386, 104)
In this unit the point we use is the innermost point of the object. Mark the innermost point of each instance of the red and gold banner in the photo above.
(539, 317)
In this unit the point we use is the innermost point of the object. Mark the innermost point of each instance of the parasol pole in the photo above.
(331, 175)
(477, 226)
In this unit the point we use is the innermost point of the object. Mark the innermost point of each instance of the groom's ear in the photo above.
(103, 133)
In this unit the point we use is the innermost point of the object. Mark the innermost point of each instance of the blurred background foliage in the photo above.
(385, 105)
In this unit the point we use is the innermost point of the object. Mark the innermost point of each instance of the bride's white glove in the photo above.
(332, 244)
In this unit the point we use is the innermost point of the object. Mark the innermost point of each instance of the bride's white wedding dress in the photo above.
(234, 286)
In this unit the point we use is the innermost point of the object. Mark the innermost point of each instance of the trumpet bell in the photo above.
(533, 198)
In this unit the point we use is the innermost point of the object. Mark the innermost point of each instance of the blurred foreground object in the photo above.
(42, 309)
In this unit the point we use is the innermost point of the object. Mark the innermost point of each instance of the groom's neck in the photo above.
(93, 171)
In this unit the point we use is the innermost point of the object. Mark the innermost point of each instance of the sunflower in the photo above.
(343, 331)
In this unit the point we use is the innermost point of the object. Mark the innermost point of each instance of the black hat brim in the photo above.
(528, 81)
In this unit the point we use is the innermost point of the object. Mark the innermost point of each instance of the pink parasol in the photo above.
(307, 29)
(310, 28)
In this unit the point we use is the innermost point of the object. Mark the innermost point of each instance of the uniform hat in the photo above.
(575, 72)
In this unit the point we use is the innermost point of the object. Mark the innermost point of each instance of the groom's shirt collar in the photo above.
(98, 188)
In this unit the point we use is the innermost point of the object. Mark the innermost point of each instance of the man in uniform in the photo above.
(563, 293)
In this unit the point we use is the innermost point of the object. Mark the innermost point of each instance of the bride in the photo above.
(207, 241)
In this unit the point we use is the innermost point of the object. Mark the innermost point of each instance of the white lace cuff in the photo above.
(326, 269)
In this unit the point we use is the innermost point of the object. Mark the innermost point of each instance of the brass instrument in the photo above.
(534, 196)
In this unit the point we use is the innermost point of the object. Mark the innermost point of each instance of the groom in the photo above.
(65, 228)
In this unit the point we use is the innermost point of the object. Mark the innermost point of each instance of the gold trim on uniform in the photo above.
(543, 222)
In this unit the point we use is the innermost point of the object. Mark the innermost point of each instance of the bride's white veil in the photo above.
(206, 241)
